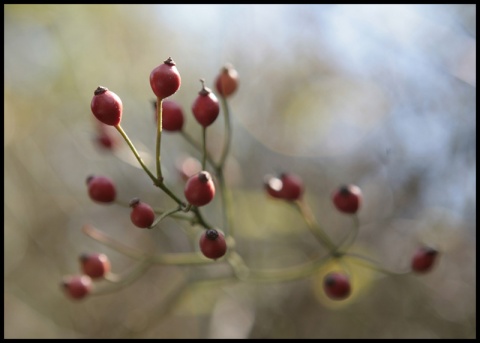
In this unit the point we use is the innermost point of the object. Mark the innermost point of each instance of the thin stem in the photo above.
(314, 227)
(163, 187)
(351, 235)
(121, 281)
(132, 147)
(204, 147)
(157, 211)
(227, 213)
(192, 142)
(159, 139)
(228, 132)
(164, 215)
(200, 219)
(193, 258)
(372, 264)
(287, 273)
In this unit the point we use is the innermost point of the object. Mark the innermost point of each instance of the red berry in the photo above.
(336, 285)
(286, 186)
(101, 189)
(165, 79)
(199, 189)
(226, 82)
(77, 286)
(142, 214)
(347, 198)
(205, 108)
(423, 259)
(172, 115)
(107, 106)
(212, 244)
(95, 265)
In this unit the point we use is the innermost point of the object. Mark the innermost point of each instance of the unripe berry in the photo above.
(286, 186)
(165, 79)
(226, 82)
(336, 285)
(142, 214)
(205, 108)
(212, 244)
(77, 286)
(95, 265)
(107, 106)
(347, 198)
(424, 259)
(101, 189)
(172, 115)
(199, 189)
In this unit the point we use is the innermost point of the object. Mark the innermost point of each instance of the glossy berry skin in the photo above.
(337, 286)
(101, 189)
(226, 82)
(107, 106)
(165, 79)
(205, 108)
(212, 244)
(172, 115)
(347, 198)
(199, 189)
(286, 186)
(77, 286)
(424, 259)
(142, 214)
(95, 265)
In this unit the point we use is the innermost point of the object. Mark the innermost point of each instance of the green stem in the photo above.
(228, 132)
(130, 144)
(121, 281)
(159, 139)
(200, 219)
(204, 147)
(351, 235)
(314, 227)
(192, 142)
(374, 265)
(164, 215)
(287, 273)
(193, 258)
(227, 213)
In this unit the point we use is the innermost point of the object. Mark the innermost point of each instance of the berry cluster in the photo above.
(202, 180)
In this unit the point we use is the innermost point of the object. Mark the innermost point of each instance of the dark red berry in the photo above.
(205, 108)
(95, 265)
(199, 189)
(101, 189)
(336, 285)
(226, 82)
(165, 79)
(424, 259)
(172, 115)
(347, 198)
(212, 244)
(142, 214)
(107, 106)
(77, 286)
(286, 186)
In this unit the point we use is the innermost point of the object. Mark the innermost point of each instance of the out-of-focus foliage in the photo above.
(380, 96)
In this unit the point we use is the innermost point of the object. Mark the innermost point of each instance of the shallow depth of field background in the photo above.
(379, 96)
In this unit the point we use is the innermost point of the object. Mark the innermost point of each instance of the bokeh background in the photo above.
(382, 96)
